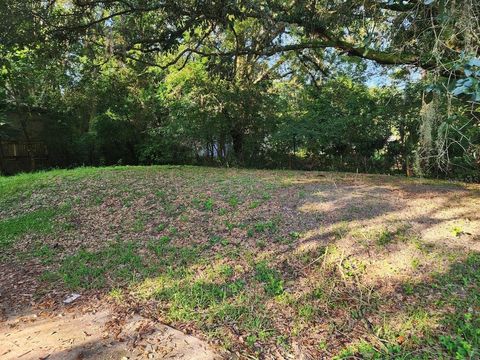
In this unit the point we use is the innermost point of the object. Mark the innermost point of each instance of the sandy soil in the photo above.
(70, 335)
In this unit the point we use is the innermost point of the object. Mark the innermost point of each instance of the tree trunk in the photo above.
(30, 154)
(2, 169)
(403, 150)
(237, 139)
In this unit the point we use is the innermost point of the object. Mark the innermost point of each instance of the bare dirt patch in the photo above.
(75, 334)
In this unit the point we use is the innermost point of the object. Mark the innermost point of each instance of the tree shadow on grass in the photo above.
(438, 318)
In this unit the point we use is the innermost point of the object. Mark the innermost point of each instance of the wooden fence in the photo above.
(18, 156)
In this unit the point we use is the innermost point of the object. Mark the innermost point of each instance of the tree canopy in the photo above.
(371, 85)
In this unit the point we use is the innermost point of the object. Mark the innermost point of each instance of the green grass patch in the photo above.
(169, 255)
(271, 279)
(45, 253)
(214, 240)
(197, 300)
(270, 226)
(35, 222)
(386, 237)
(13, 187)
(118, 263)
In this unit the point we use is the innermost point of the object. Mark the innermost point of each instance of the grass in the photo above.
(23, 185)
(45, 253)
(461, 326)
(120, 263)
(261, 261)
(271, 279)
(35, 222)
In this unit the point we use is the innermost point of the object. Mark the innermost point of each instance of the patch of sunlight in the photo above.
(311, 235)
(414, 323)
(316, 207)
(149, 287)
(307, 246)
(218, 271)
(408, 261)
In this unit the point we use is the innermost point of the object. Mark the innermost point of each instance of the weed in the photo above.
(294, 235)
(196, 202)
(230, 226)
(312, 255)
(226, 271)
(170, 210)
(98, 200)
(266, 196)
(352, 267)
(273, 283)
(208, 204)
(254, 204)
(263, 226)
(139, 225)
(161, 194)
(45, 253)
(116, 294)
(319, 293)
(306, 312)
(187, 300)
(50, 276)
(385, 238)
(160, 227)
(465, 343)
(261, 243)
(457, 231)
(218, 240)
(422, 246)
(415, 263)
(341, 230)
(233, 201)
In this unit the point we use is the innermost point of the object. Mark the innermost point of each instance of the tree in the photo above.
(433, 34)
(249, 82)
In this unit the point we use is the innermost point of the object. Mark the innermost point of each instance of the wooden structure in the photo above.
(21, 156)
(22, 146)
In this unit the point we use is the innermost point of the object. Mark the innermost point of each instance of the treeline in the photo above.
(268, 84)
(124, 113)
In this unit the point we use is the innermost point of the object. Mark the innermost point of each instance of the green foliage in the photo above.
(45, 253)
(250, 93)
(461, 326)
(218, 240)
(470, 85)
(188, 300)
(208, 204)
(115, 139)
(465, 344)
(263, 226)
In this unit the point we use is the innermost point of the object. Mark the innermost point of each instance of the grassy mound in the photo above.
(259, 262)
